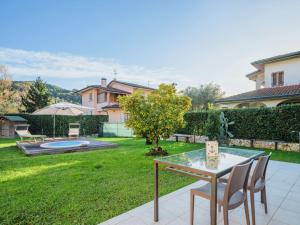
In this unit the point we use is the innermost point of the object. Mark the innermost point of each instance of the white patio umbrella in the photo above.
(63, 109)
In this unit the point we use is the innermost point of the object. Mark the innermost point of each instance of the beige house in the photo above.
(277, 81)
(104, 98)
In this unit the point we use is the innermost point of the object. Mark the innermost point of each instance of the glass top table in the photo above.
(197, 160)
(196, 164)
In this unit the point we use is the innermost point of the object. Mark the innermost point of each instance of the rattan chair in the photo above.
(230, 195)
(257, 183)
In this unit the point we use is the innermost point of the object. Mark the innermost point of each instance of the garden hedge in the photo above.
(89, 124)
(275, 123)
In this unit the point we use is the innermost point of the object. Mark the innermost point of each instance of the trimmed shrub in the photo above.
(195, 123)
(212, 126)
(275, 123)
(266, 123)
(89, 124)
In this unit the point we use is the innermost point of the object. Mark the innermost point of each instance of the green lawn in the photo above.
(85, 188)
(80, 188)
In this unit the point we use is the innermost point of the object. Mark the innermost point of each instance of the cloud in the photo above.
(63, 65)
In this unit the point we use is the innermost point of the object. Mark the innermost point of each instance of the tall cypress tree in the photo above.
(37, 97)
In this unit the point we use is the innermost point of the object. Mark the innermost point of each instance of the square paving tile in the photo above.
(283, 196)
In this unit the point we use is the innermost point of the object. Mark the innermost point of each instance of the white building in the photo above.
(277, 82)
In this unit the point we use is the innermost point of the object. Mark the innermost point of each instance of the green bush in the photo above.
(266, 123)
(195, 123)
(255, 123)
(89, 124)
(212, 126)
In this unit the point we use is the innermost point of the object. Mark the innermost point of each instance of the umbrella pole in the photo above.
(54, 125)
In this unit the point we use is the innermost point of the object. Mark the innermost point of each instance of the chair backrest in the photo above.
(23, 133)
(260, 169)
(22, 130)
(237, 179)
(74, 131)
(74, 125)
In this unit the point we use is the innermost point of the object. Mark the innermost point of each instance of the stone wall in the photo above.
(264, 144)
(240, 142)
(192, 138)
(290, 147)
(274, 145)
(199, 139)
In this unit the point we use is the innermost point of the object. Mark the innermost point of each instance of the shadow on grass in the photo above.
(8, 175)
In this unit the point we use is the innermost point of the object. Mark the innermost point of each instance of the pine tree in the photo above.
(37, 97)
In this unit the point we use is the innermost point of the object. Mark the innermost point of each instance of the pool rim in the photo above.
(46, 145)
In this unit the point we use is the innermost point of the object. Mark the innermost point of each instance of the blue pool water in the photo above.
(65, 144)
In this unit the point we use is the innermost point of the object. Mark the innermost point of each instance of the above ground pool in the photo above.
(65, 144)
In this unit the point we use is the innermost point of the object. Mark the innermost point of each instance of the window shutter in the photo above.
(274, 80)
(280, 79)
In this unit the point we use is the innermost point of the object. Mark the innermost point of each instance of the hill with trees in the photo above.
(56, 92)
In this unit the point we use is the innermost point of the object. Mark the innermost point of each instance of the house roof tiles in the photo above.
(265, 93)
(108, 89)
(131, 84)
(114, 90)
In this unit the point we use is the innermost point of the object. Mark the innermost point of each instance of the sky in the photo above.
(73, 43)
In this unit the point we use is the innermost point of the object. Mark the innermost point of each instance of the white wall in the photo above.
(291, 69)
(268, 103)
(260, 81)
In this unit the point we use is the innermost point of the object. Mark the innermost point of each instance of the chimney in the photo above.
(103, 82)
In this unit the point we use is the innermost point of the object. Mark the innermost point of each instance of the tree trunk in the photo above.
(148, 141)
(156, 142)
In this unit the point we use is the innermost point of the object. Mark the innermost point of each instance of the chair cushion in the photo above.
(236, 198)
(259, 185)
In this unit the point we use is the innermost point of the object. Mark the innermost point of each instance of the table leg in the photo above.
(155, 191)
(213, 201)
(176, 137)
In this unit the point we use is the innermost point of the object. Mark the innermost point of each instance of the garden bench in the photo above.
(186, 136)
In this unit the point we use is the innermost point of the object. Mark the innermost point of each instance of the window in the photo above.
(280, 79)
(90, 96)
(102, 97)
(277, 79)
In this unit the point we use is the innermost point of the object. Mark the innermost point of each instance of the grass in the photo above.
(85, 187)
(284, 156)
(80, 188)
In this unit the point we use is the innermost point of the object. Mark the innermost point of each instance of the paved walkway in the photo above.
(283, 195)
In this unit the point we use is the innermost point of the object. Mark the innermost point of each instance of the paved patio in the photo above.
(283, 195)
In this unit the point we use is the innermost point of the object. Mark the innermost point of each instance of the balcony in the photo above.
(103, 104)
